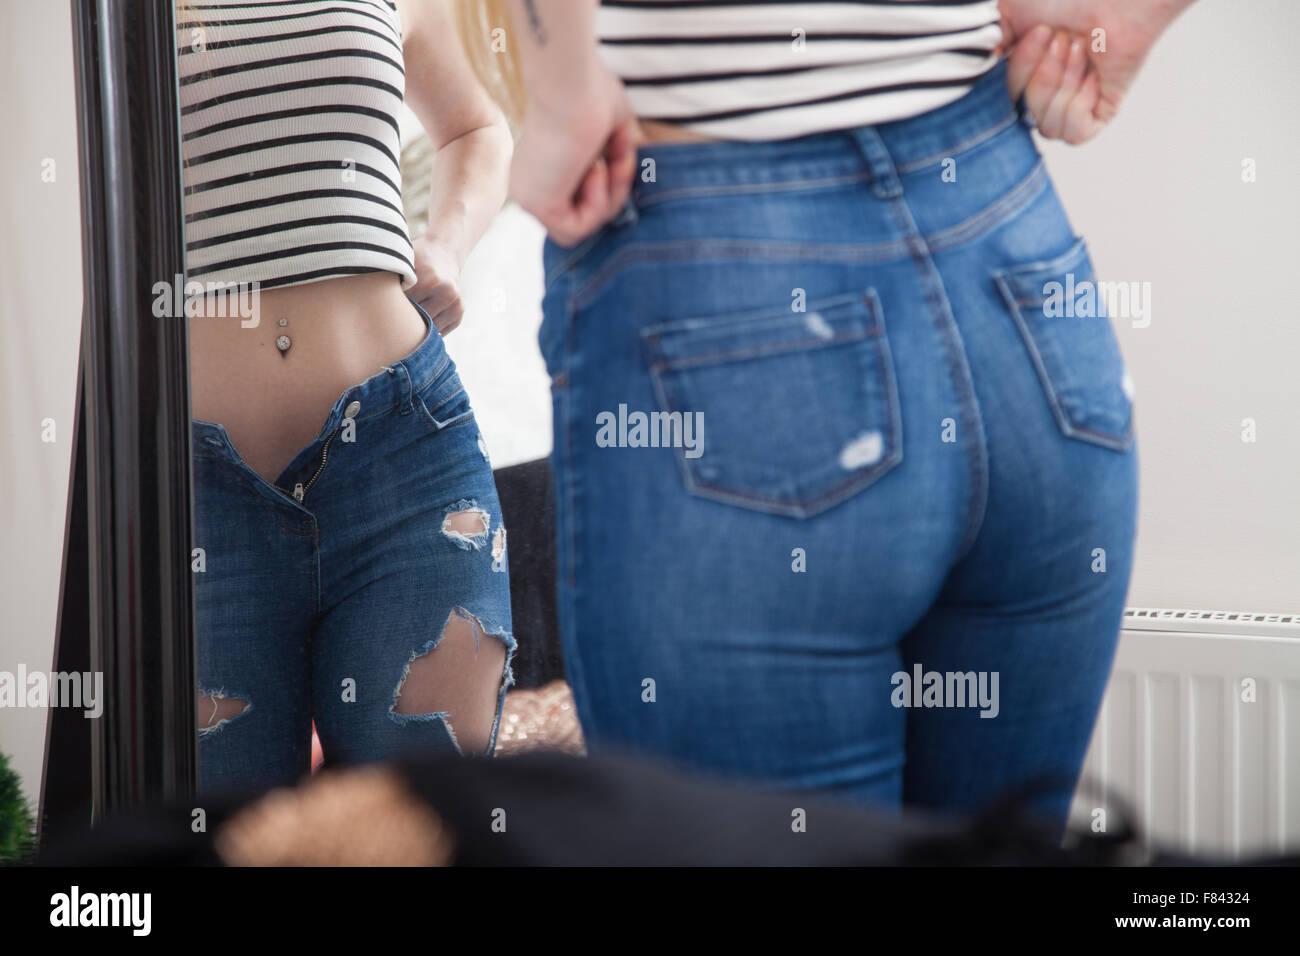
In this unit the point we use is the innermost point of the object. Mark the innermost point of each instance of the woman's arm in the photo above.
(472, 146)
(577, 151)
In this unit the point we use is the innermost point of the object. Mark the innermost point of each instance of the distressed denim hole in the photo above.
(457, 680)
(218, 709)
(467, 525)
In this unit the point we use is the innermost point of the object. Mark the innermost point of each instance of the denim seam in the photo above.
(725, 191)
(262, 499)
(958, 369)
(427, 420)
(566, 585)
(433, 375)
(507, 681)
(1020, 196)
(388, 408)
(1067, 426)
(426, 413)
(578, 253)
(575, 255)
(262, 489)
(446, 399)
(637, 253)
(1065, 262)
(315, 581)
(443, 402)
(804, 345)
(569, 335)
(964, 146)
(1102, 438)
(378, 413)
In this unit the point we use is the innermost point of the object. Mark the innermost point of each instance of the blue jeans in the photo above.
(315, 593)
(883, 543)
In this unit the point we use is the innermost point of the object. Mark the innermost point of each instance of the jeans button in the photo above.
(352, 410)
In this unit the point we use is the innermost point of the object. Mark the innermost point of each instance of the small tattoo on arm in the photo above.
(535, 21)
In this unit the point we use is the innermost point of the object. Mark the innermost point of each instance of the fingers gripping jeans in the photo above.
(316, 594)
(846, 475)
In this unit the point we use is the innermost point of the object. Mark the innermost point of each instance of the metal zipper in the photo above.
(300, 490)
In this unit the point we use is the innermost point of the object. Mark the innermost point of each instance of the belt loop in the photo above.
(404, 388)
(1026, 117)
(628, 215)
(885, 183)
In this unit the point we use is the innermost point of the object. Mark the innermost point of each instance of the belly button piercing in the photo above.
(282, 342)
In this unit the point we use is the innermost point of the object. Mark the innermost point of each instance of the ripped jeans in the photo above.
(366, 589)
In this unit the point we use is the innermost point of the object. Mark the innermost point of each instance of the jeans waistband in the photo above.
(393, 385)
(873, 152)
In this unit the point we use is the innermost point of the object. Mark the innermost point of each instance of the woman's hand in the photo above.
(575, 160)
(1072, 76)
(436, 289)
(1061, 88)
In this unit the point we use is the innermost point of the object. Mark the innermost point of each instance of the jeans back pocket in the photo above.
(793, 411)
(1062, 315)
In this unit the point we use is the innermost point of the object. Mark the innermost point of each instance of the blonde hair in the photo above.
(493, 56)
(185, 11)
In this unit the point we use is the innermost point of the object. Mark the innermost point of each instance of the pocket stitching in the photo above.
(719, 358)
(1078, 250)
(430, 420)
(731, 319)
(1014, 304)
(858, 480)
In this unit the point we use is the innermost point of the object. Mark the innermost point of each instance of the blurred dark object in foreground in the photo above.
(556, 810)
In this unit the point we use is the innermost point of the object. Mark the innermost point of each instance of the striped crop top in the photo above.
(289, 126)
(742, 70)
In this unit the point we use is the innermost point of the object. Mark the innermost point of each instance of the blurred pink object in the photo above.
(317, 755)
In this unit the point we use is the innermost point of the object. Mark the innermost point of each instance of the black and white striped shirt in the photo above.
(741, 70)
(289, 124)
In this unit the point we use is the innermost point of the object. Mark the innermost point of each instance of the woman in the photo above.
(840, 504)
(350, 554)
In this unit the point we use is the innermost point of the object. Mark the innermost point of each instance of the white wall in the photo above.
(1159, 197)
(40, 328)
(495, 347)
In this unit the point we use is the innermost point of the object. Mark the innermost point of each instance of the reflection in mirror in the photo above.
(343, 605)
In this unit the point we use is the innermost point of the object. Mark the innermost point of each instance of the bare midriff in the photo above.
(273, 403)
(654, 131)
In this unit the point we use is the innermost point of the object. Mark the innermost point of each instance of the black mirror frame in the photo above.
(126, 605)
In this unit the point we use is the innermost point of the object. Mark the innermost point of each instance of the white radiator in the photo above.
(1200, 732)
